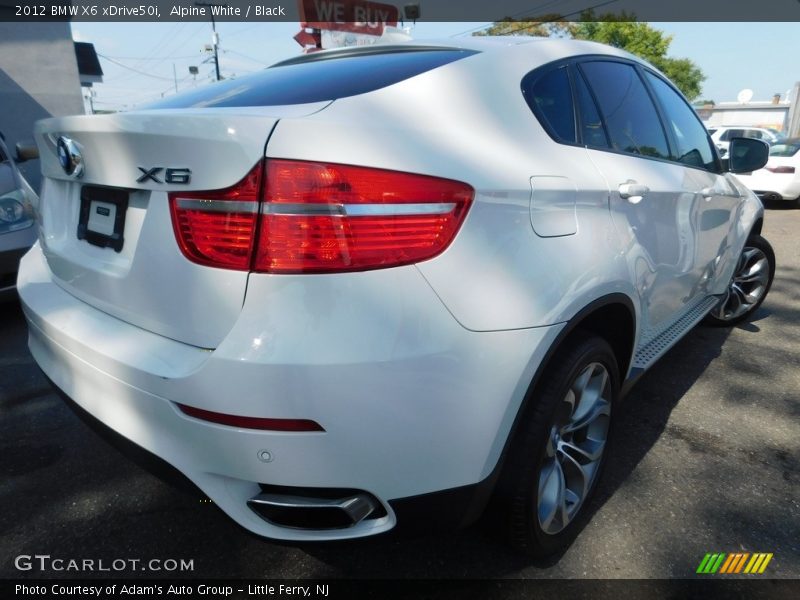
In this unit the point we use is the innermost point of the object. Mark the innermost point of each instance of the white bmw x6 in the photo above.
(370, 286)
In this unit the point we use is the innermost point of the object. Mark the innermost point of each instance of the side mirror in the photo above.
(747, 154)
(26, 151)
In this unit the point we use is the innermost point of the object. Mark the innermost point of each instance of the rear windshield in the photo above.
(785, 148)
(311, 79)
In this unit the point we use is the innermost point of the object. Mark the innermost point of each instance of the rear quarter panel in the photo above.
(468, 121)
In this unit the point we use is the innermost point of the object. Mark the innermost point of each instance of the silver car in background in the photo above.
(376, 287)
(17, 223)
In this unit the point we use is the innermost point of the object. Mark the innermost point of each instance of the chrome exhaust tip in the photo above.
(305, 512)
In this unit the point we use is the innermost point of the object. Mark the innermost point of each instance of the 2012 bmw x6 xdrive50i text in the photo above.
(367, 282)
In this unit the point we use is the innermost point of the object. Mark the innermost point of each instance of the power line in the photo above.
(478, 28)
(255, 60)
(134, 101)
(132, 69)
(583, 10)
(173, 43)
(527, 11)
(180, 44)
(242, 30)
(161, 45)
(147, 58)
(525, 24)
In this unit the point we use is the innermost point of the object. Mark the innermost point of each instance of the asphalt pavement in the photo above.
(706, 458)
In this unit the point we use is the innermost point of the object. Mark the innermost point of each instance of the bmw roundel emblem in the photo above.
(69, 156)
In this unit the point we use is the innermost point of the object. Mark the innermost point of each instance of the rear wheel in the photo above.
(749, 285)
(556, 459)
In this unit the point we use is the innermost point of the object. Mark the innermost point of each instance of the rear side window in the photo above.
(317, 79)
(550, 98)
(631, 118)
(693, 145)
(592, 130)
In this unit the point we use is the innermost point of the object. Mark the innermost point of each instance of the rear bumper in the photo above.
(443, 510)
(410, 408)
(772, 186)
(771, 195)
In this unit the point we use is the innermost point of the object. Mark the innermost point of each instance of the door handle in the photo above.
(632, 192)
(708, 193)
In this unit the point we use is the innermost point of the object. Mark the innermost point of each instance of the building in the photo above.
(780, 114)
(39, 78)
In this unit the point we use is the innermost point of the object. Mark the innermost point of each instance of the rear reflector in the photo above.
(781, 169)
(321, 218)
(251, 422)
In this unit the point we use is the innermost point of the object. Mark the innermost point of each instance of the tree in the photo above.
(549, 26)
(622, 32)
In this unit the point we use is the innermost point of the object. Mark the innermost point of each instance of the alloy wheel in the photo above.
(575, 447)
(747, 287)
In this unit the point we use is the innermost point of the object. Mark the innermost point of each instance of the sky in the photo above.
(142, 61)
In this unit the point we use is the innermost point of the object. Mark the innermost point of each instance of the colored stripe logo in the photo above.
(735, 562)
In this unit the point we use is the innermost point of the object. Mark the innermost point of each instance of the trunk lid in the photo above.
(108, 235)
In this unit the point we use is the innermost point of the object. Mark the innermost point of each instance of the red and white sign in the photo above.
(353, 16)
(306, 38)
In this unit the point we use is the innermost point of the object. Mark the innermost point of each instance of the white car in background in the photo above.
(721, 136)
(780, 178)
(17, 223)
(369, 288)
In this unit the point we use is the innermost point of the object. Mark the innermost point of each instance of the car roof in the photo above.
(507, 45)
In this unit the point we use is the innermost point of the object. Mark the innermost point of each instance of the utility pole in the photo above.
(90, 96)
(793, 118)
(175, 77)
(215, 37)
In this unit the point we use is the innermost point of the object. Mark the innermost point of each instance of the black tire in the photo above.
(530, 469)
(756, 248)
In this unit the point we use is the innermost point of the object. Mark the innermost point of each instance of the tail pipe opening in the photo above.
(301, 508)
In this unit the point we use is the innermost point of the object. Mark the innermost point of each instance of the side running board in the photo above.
(653, 348)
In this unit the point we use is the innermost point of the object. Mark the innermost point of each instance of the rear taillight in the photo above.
(321, 218)
(217, 229)
(781, 169)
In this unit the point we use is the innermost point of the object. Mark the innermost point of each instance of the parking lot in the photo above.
(706, 459)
